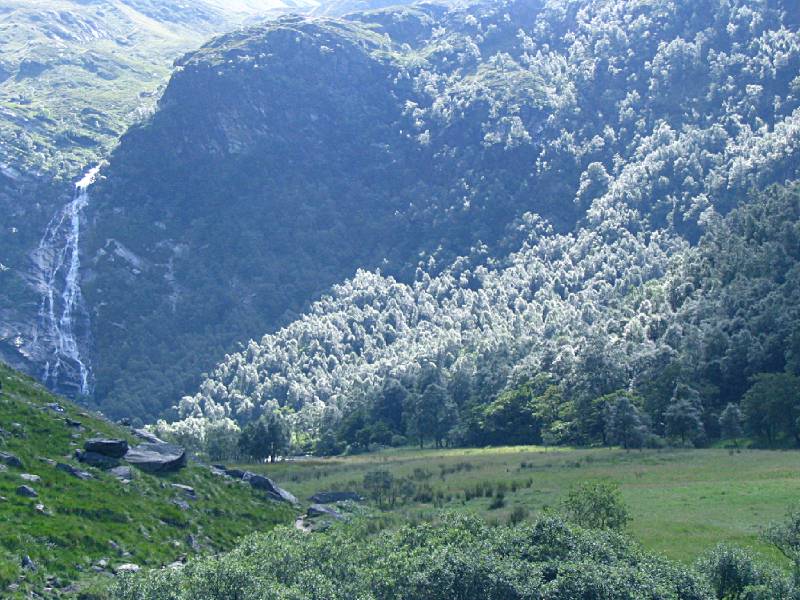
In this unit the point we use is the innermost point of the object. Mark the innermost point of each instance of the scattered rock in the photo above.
(217, 471)
(265, 484)
(193, 543)
(28, 564)
(10, 460)
(73, 423)
(102, 563)
(182, 504)
(236, 473)
(110, 448)
(175, 565)
(30, 478)
(333, 497)
(27, 491)
(55, 407)
(48, 461)
(122, 473)
(157, 458)
(189, 491)
(125, 422)
(145, 435)
(41, 509)
(3, 468)
(96, 460)
(320, 510)
(127, 568)
(73, 471)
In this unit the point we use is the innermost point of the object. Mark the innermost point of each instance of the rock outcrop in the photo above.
(106, 447)
(265, 484)
(333, 497)
(70, 470)
(157, 458)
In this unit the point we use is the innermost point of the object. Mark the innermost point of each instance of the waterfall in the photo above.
(62, 314)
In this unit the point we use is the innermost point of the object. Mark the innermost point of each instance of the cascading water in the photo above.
(62, 314)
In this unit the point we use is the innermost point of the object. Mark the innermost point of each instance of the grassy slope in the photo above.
(682, 502)
(86, 515)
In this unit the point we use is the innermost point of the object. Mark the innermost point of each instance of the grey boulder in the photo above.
(157, 458)
(10, 460)
(265, 484)
(148, 437)
(27, 491)
(333, 497)
(110, 448)
(320, 510)
(70, 470)
(94, 459)
(122, 473)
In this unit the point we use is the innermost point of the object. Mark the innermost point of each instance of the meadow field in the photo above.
(682, 502)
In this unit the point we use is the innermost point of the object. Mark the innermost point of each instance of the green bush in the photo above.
(459, 558)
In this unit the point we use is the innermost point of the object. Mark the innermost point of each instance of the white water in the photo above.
(58, 262)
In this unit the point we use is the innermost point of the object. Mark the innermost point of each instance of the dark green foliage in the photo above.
(772, 406)
(460, 558)
(785, 536)
(734, 574)
(730, 422)
(624, 422)
(266, 438)
(597, 505)
(682, 417)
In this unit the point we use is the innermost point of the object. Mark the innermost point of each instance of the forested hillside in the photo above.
(602, 170)
(402, 139)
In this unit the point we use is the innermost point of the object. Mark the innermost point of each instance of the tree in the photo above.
(388, 405)
(785, 536)
(625, 424)
(378, 485)
(222, 439)
(682, 417)
(772, 406)
(510, 418)
(596, 505)
(265, 438)
(730, 422)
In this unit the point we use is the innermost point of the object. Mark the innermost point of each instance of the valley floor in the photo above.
(682, 502)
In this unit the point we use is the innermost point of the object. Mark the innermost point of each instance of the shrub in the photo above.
(596, 505)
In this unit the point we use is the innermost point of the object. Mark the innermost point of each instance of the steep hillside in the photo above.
(284, 157)
(76, 532)
(74, 75)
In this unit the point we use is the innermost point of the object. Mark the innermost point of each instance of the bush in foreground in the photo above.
(460, 558)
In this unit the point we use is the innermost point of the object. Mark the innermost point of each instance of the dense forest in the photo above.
(406, 138)
(620, 182)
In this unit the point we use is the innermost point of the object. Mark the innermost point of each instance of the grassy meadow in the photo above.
(682, 502)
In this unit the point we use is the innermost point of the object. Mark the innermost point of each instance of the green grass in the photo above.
(683, 502)
(85, 517)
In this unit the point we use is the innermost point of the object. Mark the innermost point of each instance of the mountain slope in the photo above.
(74, 75)
(403, 138)
(84, 522)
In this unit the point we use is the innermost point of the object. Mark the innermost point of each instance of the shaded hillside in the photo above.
(74, 75)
